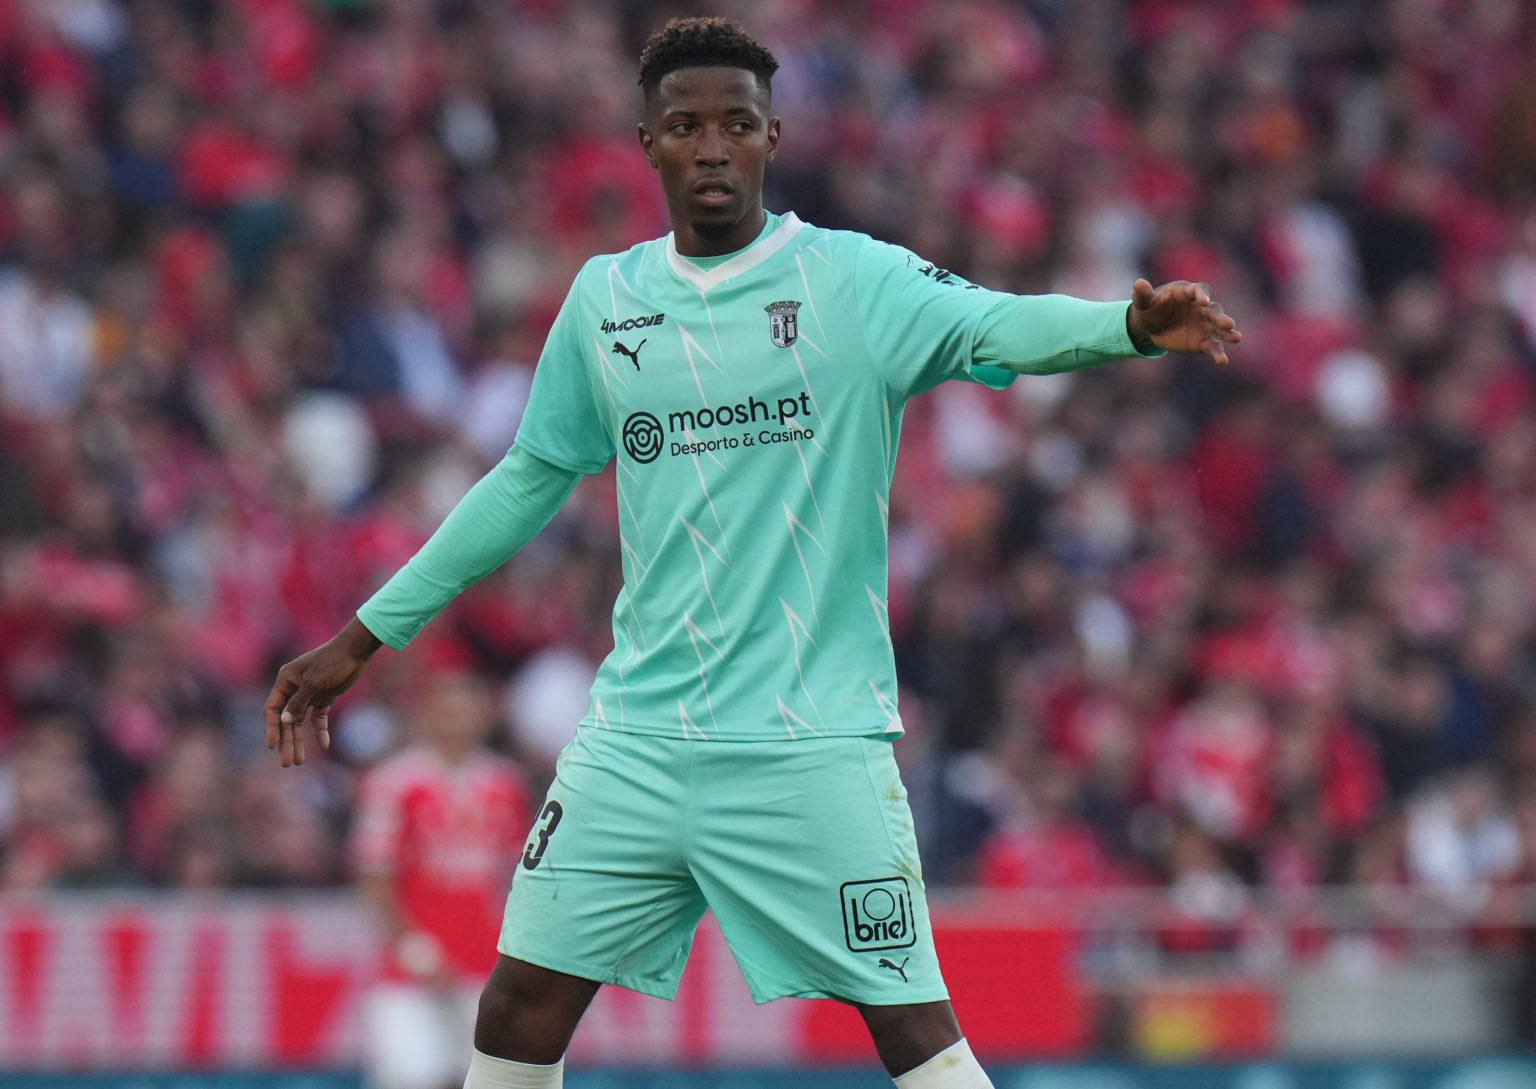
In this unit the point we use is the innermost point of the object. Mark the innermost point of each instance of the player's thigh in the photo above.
(602, 890)
(415, 1038)
(808, 856)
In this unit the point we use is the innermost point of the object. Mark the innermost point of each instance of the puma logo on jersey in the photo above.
(634, 356)
(899, 969)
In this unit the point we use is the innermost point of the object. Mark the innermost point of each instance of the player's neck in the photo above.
(692, 243)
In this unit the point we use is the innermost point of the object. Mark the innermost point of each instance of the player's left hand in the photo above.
(307, 686)
(1180, 317)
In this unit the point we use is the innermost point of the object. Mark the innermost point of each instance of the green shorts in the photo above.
(804, 850)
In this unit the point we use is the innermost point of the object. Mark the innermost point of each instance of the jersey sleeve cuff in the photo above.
(395, 633)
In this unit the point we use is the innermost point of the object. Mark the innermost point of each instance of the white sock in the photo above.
(489, 1072)
(953, 1068)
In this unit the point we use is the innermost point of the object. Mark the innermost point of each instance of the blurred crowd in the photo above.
(274, 275)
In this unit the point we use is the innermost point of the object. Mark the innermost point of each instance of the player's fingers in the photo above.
(1141, 294)
(291, 748)
(299, 703)
(1215, 349)
(282, 688)
(1223, 321)
(321, 717)
(285, 740)
(286, 724)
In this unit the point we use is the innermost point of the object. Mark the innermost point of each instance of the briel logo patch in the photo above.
(878, 914)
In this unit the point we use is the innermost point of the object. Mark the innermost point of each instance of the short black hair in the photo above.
(703, 42)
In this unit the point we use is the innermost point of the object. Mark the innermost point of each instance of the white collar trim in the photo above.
(747, 259)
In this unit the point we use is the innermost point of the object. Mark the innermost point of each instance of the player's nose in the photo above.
(711, 150)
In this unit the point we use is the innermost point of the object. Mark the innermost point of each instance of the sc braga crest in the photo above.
(783, 325)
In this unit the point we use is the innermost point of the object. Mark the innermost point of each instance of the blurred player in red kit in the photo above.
(439, 826)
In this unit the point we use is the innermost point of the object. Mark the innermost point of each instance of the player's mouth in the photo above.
(714, 192)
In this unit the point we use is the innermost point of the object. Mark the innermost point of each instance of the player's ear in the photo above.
(647, 144)
(773, 138)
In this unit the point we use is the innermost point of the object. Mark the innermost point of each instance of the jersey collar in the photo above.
(747, 259)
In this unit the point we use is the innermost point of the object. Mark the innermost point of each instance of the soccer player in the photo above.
(437, 831)
(748, 373)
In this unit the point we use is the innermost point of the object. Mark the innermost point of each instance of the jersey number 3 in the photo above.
(548, 821)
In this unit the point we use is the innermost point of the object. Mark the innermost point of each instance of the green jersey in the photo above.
(753, 404)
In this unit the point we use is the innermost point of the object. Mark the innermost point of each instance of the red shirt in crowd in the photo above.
(449, 836)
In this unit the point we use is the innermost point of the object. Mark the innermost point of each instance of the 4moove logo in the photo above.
(878, 914)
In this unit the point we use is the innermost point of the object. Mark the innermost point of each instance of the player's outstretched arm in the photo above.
(1179, 317)
(307, 686)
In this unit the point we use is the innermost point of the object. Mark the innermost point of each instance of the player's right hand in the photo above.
(307, 686)
(1181, 317)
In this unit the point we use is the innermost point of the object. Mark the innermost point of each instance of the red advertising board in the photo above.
(150, 982)
(170, 983)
